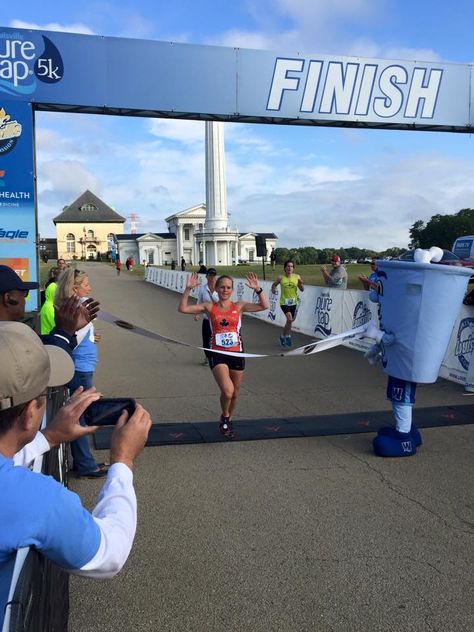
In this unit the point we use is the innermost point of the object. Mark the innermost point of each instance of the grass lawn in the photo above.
(310, 274)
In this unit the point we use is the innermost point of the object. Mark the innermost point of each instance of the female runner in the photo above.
(225, 322)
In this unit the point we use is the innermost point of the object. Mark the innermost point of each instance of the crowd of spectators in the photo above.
(34, 508)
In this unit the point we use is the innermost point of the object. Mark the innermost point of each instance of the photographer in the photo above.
(37, 510)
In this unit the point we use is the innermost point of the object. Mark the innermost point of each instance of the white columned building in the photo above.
(201, 232)
(218, 242)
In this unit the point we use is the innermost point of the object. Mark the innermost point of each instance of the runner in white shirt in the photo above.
(207, 293)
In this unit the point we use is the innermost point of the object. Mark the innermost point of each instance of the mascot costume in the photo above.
(418, 304)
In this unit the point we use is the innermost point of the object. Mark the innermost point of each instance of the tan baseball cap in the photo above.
(28, 366)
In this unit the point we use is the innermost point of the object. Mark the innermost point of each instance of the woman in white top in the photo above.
(207, 294)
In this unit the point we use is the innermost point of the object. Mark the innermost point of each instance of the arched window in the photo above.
(70, 243)
(90, 234)
(91, 251)
(88, 207)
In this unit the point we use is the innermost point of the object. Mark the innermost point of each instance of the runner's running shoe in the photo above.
(225, 427)
(288, 341)
(282, 341)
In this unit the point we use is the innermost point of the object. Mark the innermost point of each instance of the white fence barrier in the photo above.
(325, 311)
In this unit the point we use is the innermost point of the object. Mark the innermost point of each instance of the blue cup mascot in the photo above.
(418, 305)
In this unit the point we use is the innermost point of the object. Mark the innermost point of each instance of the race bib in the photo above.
(227, 339)
(290, 301)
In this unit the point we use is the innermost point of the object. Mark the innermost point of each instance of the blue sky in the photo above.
(311, 186)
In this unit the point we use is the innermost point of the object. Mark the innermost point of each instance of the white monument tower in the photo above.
(217, 242)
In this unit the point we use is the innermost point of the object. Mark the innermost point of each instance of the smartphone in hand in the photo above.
(107, 410)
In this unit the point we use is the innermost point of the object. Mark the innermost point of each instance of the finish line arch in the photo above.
(63, 72)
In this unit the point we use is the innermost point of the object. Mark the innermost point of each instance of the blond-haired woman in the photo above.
(73, 282)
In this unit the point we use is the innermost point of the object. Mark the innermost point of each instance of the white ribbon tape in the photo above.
(313, 347)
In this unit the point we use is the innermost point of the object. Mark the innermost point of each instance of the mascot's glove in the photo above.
(379, 335)
(383, 339)
(374, 354)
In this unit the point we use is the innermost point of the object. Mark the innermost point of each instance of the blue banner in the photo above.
(17, 193)
(125, 76)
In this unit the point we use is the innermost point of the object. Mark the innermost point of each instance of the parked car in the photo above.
(464, 247)
(448, 259)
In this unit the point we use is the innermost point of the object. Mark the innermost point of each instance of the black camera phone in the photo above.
(107, 410)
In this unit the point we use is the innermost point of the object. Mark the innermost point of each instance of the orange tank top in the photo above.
(225, 328)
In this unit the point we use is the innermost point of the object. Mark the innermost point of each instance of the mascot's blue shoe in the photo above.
(390, 442)
(414, 433)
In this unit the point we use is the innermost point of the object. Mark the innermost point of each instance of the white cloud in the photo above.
(188, 132)
(310, 26)
(323, 175)
(108, 18)
(49, 140)
(236, 38)
(362, 47)
(112, 19)
(410, 54)
(59, 184)
(67, 177)
(245, 137)
(317, 12)
(320, 27)
(52, 26)
(374, 211)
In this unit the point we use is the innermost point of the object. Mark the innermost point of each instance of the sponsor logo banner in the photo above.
(464, 342)
(25, 60)
(21, 265)
(17, 201)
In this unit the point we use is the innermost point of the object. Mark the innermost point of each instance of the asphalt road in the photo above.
(288, 535)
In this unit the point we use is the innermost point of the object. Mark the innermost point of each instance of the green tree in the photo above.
(308, 255)
(342, 253)
(393, 253)
(354, 253)
(416, 234)
(442, 230)
(325, 255)
(295, 255)
(282, 254)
